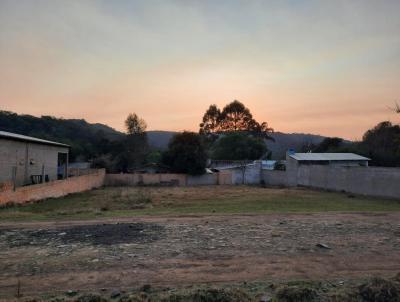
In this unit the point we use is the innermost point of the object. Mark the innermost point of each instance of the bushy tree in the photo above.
(134, 151)
(329, 144)
(131, 152)
(234, 117)
(154, 157)
(382, 144)
(186, 154)
(134, 124)
(211, 121)
(239, 146)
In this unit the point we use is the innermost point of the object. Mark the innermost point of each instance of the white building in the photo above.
(25, 160)
(338, 159)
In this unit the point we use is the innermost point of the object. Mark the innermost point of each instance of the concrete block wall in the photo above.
(224, 177)
(292, 166)
(274, 177)
(6, 186)
(371, 181)
(180, 179)
(203, 180)
(56, 188)
(252, 174)
(145, 179)
(117, 180)
(175, 179)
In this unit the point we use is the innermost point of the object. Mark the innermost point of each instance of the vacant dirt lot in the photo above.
(170, 251)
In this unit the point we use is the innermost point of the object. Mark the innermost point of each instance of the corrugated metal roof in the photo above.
(327, 156)
(19, 137)
(236, 166)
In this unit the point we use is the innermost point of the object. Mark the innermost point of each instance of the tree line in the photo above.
(228, 134)
(233, 134)
(381, 144)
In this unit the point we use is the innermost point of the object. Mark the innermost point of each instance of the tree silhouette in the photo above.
(211, 120)
(186, 154)
(134, 124)
(234, 117)
(397, 108)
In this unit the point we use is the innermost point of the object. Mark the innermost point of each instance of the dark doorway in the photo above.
(62, 166)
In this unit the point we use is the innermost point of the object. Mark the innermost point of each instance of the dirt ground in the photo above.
(170, 251)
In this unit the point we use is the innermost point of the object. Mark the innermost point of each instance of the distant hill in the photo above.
(88, 140)
(52, 128)
(159, 139)
(285, 141)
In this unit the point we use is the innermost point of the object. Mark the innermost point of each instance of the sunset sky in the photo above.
(323, 67)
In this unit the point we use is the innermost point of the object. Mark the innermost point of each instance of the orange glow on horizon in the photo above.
(102, 60)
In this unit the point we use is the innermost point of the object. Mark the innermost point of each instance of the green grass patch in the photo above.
(125, 202)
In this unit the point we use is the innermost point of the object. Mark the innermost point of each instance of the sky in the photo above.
(322, 67)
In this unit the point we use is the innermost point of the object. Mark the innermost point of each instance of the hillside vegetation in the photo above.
(86, 140)
(90, 140)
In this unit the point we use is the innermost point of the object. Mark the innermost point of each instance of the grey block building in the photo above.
(25, 160)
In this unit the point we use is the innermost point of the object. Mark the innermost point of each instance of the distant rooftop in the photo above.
(327, 156)
(19, 137)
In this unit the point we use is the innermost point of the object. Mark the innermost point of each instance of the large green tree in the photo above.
(186, 154)
(239, 146)
(382, 144)
(134, 147)
(132, 153)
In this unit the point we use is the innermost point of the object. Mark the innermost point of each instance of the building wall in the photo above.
(371, 181)
(274, 177)
(51, 189)
(145, 179)
(352, 163)
(292, 166)
(168, 179)
(27, 159)
(224, 178)
(203, 180)
(251, 176)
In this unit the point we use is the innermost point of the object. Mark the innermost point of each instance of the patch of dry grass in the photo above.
(129, 201)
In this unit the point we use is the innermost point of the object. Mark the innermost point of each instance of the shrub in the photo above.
(90, 298)
(295, 294)
(186, 154)
(142, 297)
(380, 290)
(210, 295)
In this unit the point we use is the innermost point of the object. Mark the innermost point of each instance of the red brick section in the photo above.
(56, 188)
(6, 186)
